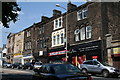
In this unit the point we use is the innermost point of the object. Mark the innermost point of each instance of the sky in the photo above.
(31, 13)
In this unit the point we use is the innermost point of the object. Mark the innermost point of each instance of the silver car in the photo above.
(37, 65)
(95, 67)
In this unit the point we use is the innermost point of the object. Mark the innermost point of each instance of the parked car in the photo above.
(37, 65)
(7, 65)
(95, 67)
(17, 65)
(59, 72)
(27, 65)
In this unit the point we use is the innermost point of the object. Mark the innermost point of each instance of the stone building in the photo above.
(10, 47)
(92, 33)
(18, 47)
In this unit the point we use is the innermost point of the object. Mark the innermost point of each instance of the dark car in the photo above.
(27, 65)
(59, 72)
(17, 65)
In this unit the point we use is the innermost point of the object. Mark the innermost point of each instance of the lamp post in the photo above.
(66, 46)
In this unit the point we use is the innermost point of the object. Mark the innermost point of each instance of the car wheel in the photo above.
(105, 73)
(12, 67)
(84, 71)
(29, 68)
(17, 67)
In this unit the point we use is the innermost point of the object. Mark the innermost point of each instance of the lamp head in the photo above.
(57, 5)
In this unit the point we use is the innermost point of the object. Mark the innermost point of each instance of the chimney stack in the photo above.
(56, 12)
(44, 18)
(71, 6)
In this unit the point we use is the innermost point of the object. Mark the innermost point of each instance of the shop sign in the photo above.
(57, 53)
(18, 55)
(88, 48)
(40, 53)
(94, 57)
(116, 50)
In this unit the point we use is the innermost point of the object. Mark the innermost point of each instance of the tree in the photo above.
(10, 12)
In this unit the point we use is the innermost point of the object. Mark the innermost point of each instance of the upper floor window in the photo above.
(82, 14)
(54, 40)
(28, 45)
(58, 38)
(40, 43)
(83, 33)
(41, 30)
(28, 33)
(77, 35)
(62, 38)
(88, 32)
(58, 23)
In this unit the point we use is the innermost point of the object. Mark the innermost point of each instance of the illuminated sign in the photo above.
(94, 57)
(57, 53)
(116, 50)
(17, 54)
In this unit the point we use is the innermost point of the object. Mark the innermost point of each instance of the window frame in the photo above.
(58, 21)
(88, 32)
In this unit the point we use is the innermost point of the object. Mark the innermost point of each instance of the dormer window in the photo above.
(58, 23)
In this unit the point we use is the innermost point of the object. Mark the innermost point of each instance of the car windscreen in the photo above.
(65, 69)
(38, 63)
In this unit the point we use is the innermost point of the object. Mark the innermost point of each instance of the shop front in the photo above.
(41, 56)
(57, 54)
(27, 58)
(116, 57)
(18, 58)
(85, 51)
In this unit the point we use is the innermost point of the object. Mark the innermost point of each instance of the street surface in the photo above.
(18, 74)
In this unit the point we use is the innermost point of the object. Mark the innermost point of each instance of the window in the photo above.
(85, 13)
(83, 33)
(58, 39)
(40, 44)
(28, 33)
(54, 40)
(79, 13)
(88, 62)
(82, 14)
(58, 23)
(88, 32)
(41, 30)
(28, 45)
(77, 35)
(62, 38)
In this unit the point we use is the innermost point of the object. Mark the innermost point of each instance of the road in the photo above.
(15, 74)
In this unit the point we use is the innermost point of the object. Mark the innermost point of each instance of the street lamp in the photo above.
(66, 47)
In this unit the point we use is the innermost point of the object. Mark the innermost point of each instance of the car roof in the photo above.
(54, 64)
